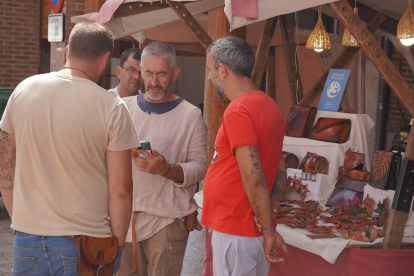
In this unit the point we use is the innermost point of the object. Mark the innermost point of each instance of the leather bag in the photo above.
(96, 256)
(331, 130)
(353, 160)
(385, 169)
(354, 174)
(291, 160)
(346, 188)
(299, 121)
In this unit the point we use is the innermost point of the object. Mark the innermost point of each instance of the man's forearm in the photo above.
(120, 210)
(120, 192)
(260, 201)
(175, 173)
(7, 168)
(255, 186)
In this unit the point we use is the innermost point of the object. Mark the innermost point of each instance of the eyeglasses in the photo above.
(132, 70)
(161, 77)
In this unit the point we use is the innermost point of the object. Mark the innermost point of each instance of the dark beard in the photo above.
(101, 78)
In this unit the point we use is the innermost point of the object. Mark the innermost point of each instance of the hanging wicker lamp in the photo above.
(405, 29)
(348, 39)
(319, 38)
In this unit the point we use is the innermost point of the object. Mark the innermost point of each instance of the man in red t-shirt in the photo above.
(240, 181)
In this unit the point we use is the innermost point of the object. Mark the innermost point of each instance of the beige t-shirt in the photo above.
(63, 126)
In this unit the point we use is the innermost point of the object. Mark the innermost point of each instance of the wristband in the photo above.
(169, 167)
(122, 247)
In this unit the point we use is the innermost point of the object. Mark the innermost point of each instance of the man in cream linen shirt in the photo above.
(66, 158)
(164, 185)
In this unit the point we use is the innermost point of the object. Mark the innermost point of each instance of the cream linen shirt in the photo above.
(181, 136)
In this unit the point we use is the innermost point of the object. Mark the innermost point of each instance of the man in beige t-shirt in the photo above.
(65, 158)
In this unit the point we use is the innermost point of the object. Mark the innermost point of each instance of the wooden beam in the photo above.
(398, 220)
(134, 8)
(339, 63)
(292, 63)
(263, 49)
(366, 14)
(190, 21)
(271, 74)
(371, 48)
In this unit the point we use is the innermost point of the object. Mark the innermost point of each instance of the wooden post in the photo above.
(292, 63)
(339, 63)
(398, 219)
(263, 49)
(271, 74)
(218, 27)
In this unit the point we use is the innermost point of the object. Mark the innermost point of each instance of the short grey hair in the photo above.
(234, 52)
(160, 49)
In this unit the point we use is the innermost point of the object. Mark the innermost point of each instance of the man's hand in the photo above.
(275, 204)
(272, 242)
(156, 163)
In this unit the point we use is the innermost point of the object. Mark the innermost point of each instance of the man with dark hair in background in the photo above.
(129, 74)
(65, 158)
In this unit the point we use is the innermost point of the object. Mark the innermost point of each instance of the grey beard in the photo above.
(162, 96)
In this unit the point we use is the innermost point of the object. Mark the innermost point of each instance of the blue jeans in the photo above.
(46, 255)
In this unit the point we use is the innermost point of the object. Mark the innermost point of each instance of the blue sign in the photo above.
(333, 90)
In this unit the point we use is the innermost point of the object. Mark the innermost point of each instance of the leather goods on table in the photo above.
(291, 160)
(355, 174)
(331, 130)
(316, 163)
(299, 121)
(346, 188)
(385, 169)
(96, 256)
(353, 160)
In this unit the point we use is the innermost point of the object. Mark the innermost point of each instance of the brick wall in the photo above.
(57, 50)
(398, 116)
(19, 40)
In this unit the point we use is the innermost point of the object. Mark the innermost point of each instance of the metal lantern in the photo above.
(319, 38)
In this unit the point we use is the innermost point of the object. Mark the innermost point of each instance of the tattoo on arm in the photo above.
(280, 183)
(7, 158)
(256, 170)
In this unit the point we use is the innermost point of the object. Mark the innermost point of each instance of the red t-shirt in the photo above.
(253, 119)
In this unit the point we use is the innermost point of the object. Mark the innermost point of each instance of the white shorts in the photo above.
(238, 256)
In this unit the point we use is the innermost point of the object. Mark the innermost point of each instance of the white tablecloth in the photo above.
(361, 125)
(329, 249)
